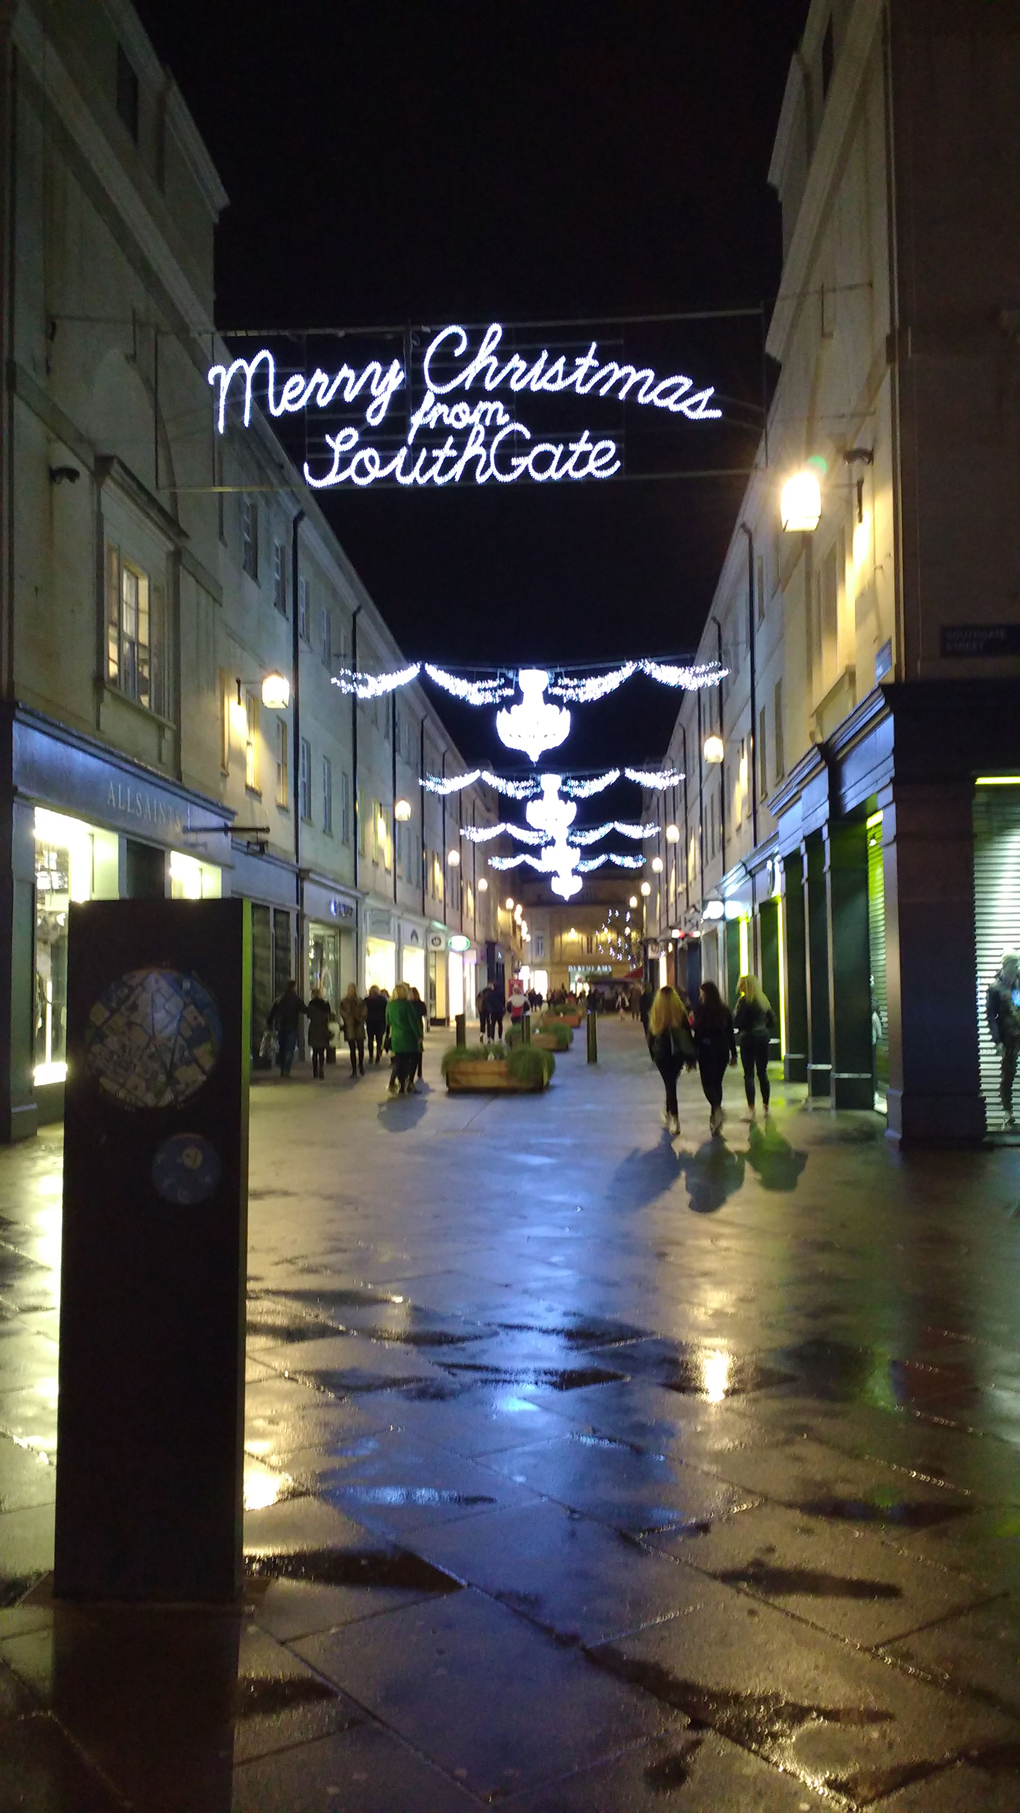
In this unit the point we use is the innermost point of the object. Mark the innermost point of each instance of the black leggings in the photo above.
(356, 1046)
(754, 1055)
(318, 1060)
(712, 1068)
(375, 1040)
(669, 1069)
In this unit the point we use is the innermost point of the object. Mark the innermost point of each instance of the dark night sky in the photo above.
(401, 160)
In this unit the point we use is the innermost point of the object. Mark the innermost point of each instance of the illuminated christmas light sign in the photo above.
(483, 437)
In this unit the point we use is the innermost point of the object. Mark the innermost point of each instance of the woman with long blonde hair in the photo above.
(755, 1023)
(671, 1044)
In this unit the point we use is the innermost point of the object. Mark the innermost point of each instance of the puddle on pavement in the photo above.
(578, 1334)
(339, 1299)
(1001, 1761)
(556, 1378)
(673, 1771)
(837, 1372)
(785, 1582)
(394, 1569)
(354, 1383)
(419, 1337)
(285, 1332)
(410, 1495)
(900, 1513)
(757, 1721)
(258, 1697)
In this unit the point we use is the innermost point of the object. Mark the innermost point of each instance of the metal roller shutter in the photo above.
(996, 917)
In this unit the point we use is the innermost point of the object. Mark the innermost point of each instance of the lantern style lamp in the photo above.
(483, 886)
(672, 834)
(714, 748)
(800, 503)
(657, 865)
(509, 903)
(276, 692)
(632, 902)
(402, 811)
(646, 888)
(453, 858)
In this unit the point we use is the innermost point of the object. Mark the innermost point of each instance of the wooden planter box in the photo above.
(489, 1075)
(546, 1042)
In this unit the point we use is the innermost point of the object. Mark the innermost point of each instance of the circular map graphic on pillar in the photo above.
(153, 1037)
(186, 1169)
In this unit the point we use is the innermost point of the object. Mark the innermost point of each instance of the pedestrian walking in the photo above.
(353, 1015)
(755, 1023)
(645, 999)
(671, 1042)
(635, 999)
(285, 1018)
(404, 1027)
(716, 1047)
(484, 1005)
(420, 1009)
(497, 1011)
(319, 1015)
(375, 1023)
(1003, 1015)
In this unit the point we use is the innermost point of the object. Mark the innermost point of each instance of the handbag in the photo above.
(681, 1042)
(268, 1045)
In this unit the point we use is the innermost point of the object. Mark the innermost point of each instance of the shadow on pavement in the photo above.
(773, 1158)
(401, 1113)
(713, 1173)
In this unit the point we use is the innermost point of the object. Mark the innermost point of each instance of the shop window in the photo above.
(73, 862)
(877, 955)
(324, 963)
(280, 577)
(305, 779)
(191, 879)
(251, 736)
(327, 796)
(282, 768)
(302, 596)
(997, 945)
(250, 537)
(135, 655)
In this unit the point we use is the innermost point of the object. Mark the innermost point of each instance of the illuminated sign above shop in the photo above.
(454, 429)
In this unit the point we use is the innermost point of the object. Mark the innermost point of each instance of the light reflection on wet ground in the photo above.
(586, 1469)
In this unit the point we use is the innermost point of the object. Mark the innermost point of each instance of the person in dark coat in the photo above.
(285, 1018)
(375, 1023)
(1003, 1017)
(755, 1023)
(671, 1043)
(422, 1011)
(496, 1012)
(645, 999)
(716, 1046)
(319, 1016)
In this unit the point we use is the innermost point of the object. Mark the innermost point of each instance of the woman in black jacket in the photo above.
(671, 1044)
(716, 1047)
(755, 1023)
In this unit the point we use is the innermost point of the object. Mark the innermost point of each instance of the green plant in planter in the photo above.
(470, 1054)
(529, 1064)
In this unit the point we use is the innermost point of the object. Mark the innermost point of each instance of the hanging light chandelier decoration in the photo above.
(560, 682)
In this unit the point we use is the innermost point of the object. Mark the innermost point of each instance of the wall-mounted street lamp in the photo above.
(657, 865)
(800, 502)
(483, 886)
(646, 888)
(632, 902)
(509, 903)
(714, 748)
(672, 834)
(402, 811)
(275, 691)
(453, 858)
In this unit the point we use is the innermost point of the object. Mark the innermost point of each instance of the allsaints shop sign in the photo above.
(457, 418)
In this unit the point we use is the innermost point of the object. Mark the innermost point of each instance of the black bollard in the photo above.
(525, 1029)
(460, 1029)
(593, 1035)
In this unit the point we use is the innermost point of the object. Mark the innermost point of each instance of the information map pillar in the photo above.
(152, 1322)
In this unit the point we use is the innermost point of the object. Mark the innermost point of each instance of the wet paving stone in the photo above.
(363, 1770)
(763, 1402)
(858, 1587)
(534, 1710)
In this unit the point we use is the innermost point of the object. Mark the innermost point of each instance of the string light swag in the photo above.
(585, 789)
(592, 833)
(659, 779)
(588, 863)
(484, 834)
(472, 692)
(446, 784)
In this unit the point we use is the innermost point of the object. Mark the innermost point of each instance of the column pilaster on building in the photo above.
(846, 864)
(816, 924)
(18, 1114)
(794, 957)
(934, 1095)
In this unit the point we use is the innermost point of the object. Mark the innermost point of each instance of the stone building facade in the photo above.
(857, 843)
(152, 579)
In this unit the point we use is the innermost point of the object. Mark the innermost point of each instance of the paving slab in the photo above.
(362, 1770)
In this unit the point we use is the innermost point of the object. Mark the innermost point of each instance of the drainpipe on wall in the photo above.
(295, 697)
(355, 795)
(752, 741)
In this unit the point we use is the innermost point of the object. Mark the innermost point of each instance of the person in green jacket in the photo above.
(404, 1027)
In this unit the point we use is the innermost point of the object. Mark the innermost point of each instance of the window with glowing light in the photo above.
(73, 861)
(135, 654)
